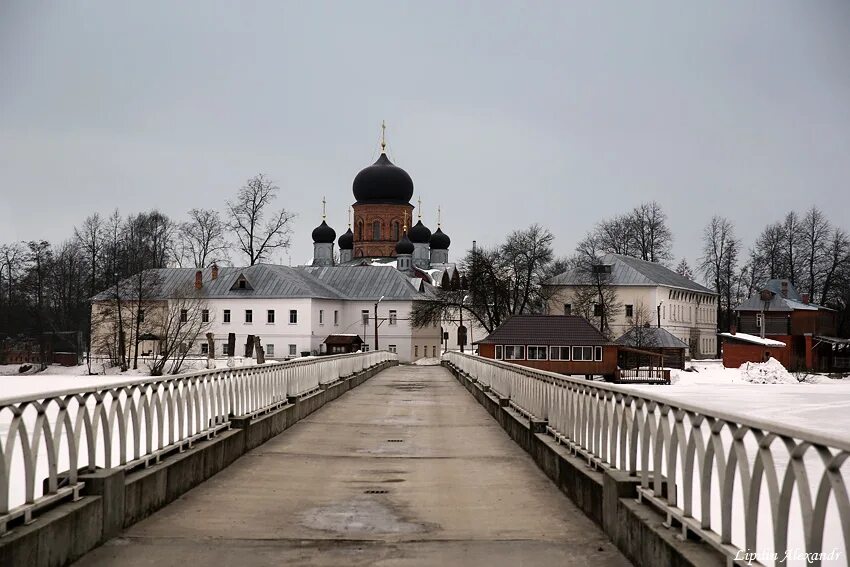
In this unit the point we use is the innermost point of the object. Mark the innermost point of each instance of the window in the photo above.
(433, 351)
(293, 350)
(376, 230)
(365, 347)
(392, 348)
(243, 284)
(293, 316)
(205, 316)
(270, 350)
(141, 315)
(597, 353)
(224, 349)
(396, 234)
(270, 316)
(568, 308)
(602, 269)
(537, 353)
(365, 316)
(249, 316)
(336, 318)
(498, 352)
(559, 353)
(226, 316)
(184, 348)
(582, 353)
(321, 316)
(393, 316)
(630, 310)
(597, 310)
(184, 316)
(205, 348)
(359, 230)
(416, 351)
(514, 353)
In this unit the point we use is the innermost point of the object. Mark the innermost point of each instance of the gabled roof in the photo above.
(269, 281)
(653, 337)
(628, 271)
(777, 302)
(546, 330)
(368, 282)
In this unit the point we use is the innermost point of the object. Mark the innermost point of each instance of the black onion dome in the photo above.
(346, 241)
(404, 246)
(383, 182)
(440, 240)
(420, 233)
(323, 233)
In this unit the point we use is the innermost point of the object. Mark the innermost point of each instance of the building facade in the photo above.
(778, 322)
(292, 310)
(645, 292)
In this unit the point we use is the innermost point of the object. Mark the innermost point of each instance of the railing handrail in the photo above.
(165, 378)
(703, 468)
(133, 423)
(775, 427)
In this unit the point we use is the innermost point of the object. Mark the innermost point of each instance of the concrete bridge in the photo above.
(406, 469)
(354, 460)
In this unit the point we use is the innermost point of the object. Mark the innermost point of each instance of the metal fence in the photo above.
(752, 489)
(133, 424)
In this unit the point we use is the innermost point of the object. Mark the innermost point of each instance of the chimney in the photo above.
(214, 271)
(805, 297)
(199, 279)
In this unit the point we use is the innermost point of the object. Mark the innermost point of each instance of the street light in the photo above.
(376, 321)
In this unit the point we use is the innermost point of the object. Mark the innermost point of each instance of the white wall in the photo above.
(681, 310)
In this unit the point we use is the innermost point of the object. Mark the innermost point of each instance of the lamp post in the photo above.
(658, 308)
(376, 321)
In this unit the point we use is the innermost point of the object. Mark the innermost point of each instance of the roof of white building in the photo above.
(628, 271)
(270, 281)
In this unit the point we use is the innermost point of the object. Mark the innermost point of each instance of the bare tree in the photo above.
(653, 239)
(814, 239)
(594, 297)
(179, 325)
(718, 265)
(203, 238)
(258, 230)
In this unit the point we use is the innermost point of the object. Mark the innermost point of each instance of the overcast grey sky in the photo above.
(505, 114)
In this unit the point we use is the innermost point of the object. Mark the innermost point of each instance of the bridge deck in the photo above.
(407, 469)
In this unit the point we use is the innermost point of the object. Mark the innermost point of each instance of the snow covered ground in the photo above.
(763, 391)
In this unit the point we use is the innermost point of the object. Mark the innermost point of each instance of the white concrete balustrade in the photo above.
(744, 486)
(134, 423)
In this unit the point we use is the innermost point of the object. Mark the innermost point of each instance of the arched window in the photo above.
(359, 230)
(396, 235)
(376, 230)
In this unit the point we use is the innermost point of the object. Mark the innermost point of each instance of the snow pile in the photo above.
(770, 372)
(427, 362)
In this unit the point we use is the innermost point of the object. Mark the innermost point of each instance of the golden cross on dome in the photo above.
(383, 137)
(348, 216)
(438, 217)
(323, 209)
(405, 221)
(419, 208)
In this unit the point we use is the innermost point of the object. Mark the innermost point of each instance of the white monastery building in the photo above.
(673, 302)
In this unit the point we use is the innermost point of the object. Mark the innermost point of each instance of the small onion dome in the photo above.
(404, 246)
(324, 234)
(383, 182)
(440, 240)
(346, 241)
(420, 233)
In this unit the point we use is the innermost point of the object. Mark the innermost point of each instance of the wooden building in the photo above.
(669, 348)
(566, 344)
(342, 344)
(779, 314)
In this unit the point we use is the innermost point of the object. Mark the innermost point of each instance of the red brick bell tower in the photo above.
(382, 192)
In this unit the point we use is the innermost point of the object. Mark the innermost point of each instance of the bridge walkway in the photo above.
(406, 469)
